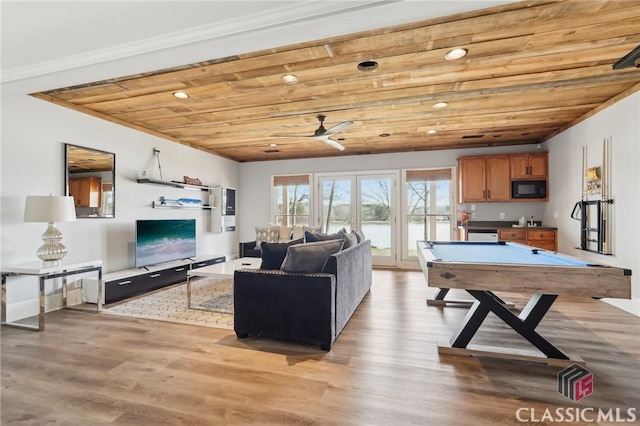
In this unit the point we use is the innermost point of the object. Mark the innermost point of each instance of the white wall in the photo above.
(33, 134)
(621, 124)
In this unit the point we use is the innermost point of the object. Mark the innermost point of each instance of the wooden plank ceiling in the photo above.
(533, 69)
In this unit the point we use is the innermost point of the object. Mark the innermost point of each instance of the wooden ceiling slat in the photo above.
(533, 68)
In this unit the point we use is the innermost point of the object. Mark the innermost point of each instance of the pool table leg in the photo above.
(472, 321)
(524, 325)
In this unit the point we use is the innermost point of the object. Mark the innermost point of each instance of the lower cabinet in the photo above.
(123, 284)
(541, 238)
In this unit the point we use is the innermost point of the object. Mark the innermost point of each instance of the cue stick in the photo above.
(603, 190)
(605, 197)
(583, 172)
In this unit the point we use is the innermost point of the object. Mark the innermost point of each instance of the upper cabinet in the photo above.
(86, 191)
(529, 166)
(489, 177)
(484, 179)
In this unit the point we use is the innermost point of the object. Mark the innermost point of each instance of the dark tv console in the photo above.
(120, 285)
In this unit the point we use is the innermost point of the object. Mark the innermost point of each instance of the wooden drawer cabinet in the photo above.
(541, 238)
(543, 234)
(518, 235)
(543, 244)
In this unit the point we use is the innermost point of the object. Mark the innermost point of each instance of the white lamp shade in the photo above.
(49, 208)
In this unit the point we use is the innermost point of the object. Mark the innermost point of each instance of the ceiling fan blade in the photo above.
(338, 128)
(331, 142)
(291, 136)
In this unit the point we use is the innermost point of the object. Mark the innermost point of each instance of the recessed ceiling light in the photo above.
(454, 54)
(273, 145)
(367, 65)
(289, 78)
(440, 104)
(432, 131)
(180, 95)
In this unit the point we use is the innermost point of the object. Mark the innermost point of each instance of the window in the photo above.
(428, 207)
(291, 200)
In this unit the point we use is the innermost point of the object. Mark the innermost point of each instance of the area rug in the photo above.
(211, 298)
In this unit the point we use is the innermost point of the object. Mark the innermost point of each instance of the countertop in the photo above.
(502, 224)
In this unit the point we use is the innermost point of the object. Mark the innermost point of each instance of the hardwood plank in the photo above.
(383, 369)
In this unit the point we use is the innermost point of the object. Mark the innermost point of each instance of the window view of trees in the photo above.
(374, 209)
(292, 202)
(428, 206)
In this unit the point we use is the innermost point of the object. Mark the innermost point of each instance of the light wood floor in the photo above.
(384, 369)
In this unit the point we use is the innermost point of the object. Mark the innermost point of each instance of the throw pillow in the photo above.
(310, 257)
(298, 231)
(273, 254)
(311, 229)
(284, 232)
(269, 235)
(359, 236)
(350, 240)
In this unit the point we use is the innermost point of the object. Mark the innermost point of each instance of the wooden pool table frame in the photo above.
(545, 283)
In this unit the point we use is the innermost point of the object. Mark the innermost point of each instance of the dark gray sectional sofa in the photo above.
(308, 308)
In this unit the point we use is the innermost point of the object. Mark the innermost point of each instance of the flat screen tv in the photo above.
(164, 240)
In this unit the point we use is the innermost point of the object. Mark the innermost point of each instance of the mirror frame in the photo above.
(67, 177)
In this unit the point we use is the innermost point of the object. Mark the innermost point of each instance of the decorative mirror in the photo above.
(90, 179)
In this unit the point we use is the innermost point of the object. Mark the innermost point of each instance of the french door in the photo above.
(363, 202)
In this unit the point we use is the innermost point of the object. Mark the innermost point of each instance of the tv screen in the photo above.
(159, 241)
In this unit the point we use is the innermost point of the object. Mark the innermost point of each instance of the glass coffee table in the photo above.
(221, 271)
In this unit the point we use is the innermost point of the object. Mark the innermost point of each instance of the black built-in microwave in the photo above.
(529, 189)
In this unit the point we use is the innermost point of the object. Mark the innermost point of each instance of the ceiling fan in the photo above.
(323, 134)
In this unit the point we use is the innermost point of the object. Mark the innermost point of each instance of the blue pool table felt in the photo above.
(505, 253)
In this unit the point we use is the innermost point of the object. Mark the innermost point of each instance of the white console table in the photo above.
(63, 270)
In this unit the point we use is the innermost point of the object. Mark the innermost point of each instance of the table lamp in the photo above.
(50, 208)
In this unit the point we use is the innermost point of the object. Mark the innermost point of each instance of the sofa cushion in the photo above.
(311, 237)
(273, 254)
(350, 240)
(310, 257)
(266, 234)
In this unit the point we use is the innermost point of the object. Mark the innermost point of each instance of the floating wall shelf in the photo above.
(175, 184)
(157, 205)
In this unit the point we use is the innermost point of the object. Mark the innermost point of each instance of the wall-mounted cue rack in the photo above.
(595, 214)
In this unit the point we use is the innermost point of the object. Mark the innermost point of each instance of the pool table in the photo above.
(481, 268)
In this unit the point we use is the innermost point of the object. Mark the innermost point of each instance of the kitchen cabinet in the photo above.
(540, 238)
(86, 191)
(514, 235)
(529, 166)
(484, 179)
